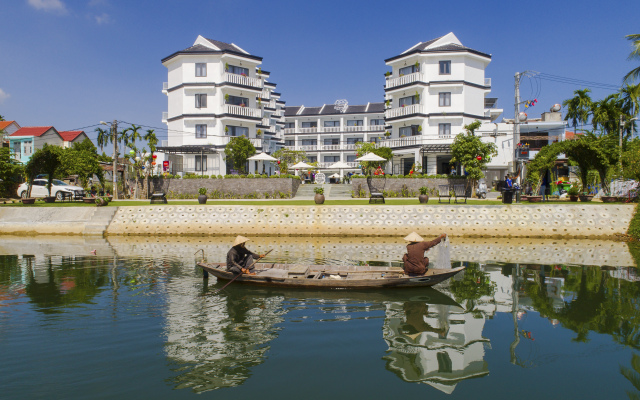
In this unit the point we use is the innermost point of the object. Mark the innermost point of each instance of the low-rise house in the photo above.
(6, 129)
(71, 137)
(28, 139)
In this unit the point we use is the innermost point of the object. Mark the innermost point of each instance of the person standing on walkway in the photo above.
(545, 189)
(240, 259)
(415, 262)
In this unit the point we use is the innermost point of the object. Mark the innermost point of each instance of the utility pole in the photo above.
(620, 144)
(516, 126)
(114, 133)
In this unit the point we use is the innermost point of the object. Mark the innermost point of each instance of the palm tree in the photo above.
(151, 139)
(630, 98)
(635, 54)
(104, 137)
(579, 107)
(606, 113)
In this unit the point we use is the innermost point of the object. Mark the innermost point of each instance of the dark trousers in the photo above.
(246, 264)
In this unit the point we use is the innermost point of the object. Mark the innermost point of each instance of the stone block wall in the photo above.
(239, 186)
(412, 184)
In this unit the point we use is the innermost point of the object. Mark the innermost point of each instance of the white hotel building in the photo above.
(217, 90)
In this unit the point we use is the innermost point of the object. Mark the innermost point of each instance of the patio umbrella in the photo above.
(301, 165)
(339, 165)
(262, 157)
(336, 175)
(371, 157)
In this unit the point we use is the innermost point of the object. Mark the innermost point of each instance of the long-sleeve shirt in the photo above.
(415, 262)
(237, 258)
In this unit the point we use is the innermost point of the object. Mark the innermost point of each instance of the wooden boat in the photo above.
(329, 276)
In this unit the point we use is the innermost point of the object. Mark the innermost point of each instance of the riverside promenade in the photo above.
(570, 220)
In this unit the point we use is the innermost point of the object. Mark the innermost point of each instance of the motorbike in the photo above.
(481, 192)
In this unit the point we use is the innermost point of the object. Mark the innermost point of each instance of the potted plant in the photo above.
(573, 192)
(226, 130)
(534, 178)
(226, 67)
(259, 132)
(387, 133)
(28, 200)
(202, 199)
(319, 197)
(226, 98)
(387, 74)
(242, 105)
(50, 199)
(417, 65)
(424, 195)
(417, 97)
(585, 197)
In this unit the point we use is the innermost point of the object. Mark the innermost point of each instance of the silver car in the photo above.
(59, 189)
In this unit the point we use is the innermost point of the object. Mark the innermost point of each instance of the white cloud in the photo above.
(104, 18)
(3, 96)
(56, 6)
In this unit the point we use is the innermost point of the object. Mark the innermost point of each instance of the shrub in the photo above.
(574, 190)
(634, 225)
(250, 176)
(202, 191)
(424, 190)
(318, 190)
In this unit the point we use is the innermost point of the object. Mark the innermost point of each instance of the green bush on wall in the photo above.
(634, 225)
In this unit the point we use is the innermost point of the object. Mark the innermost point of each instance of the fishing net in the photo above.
(439, 255)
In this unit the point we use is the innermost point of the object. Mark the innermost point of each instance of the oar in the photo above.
(236, 277)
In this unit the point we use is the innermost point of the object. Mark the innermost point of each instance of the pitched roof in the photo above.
(69, 136)
(32, 131)
(446, 43)
(203, 45)
(4, 124)
(225, 46)
(329, 109)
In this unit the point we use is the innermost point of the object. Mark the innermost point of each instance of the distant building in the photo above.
(71, 137)
(28, 139)
(6, 129)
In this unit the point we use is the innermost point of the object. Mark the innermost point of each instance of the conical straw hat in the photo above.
(240, 240)
(414, 237)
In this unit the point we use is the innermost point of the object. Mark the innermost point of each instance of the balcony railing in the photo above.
(354, 128)
(254, 142)
(403, 80)
(376, 128)
(165, 116)
(242, 111)
(289, 130)
(266, 94)
(165, 87)
(352, 164)
(308, 130)
(242, 80)
(336, 129)
(487, 81)
(402, 111)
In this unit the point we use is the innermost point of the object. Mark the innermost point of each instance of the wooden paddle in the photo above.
(236, 277)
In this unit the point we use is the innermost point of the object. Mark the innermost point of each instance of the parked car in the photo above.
(58, 187)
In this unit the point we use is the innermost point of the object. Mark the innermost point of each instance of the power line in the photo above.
(577, 82)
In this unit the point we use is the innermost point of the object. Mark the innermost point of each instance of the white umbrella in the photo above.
(301, 165)
(339, 165)
(371, 157)
(336, 175)
(262, 157)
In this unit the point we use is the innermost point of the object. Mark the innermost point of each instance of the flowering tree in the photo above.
(474, 155)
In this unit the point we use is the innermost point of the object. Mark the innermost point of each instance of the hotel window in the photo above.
(352, 158)
(201, 69)
(445, 67)
(312, 158)
(331, 158)
(238, 131)
(354, 122)
(290, 125)
(201, 101)
(444, 130)
(201, 163)
(331, 141)
(328, 124)
(201, 131)
(289, 142)
(445, 99)
(236, 101)
(408, 70)
(313, 124)
(237, 70)
(409, 130)
(354, 140)
(376, 122)
(309, 142)
(407, 101)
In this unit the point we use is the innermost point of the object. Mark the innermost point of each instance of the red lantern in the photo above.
(479, 158)
(278, 161)
(154, 156)
(153, 163)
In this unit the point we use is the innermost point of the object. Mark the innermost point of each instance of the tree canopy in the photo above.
(44, 161)
(363, 148)
(238, 151)
(289, 157)
(10, 171)
(80, 159)
(471, 152)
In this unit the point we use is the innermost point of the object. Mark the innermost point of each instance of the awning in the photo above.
(205, 149)
(436, 148)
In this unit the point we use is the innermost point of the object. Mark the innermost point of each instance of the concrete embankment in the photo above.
(567, 221)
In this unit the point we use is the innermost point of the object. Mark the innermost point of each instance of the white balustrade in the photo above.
(487, 81)
(376, 128)
(243, 111)
(165, 86)
(242, 80)
(330, 129)
(354, 128)
(308, 130)
(402, 111)
(266, 94)
(165, 116)
(289, 130)
(255, 142)
(403, 80)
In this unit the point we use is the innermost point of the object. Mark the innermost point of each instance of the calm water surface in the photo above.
(136, 320)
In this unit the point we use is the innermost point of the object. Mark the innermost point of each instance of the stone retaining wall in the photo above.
(412, 184)
(240, 186)
(568, 221)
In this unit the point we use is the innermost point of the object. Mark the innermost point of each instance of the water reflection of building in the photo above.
(215, 341)
(439, 345)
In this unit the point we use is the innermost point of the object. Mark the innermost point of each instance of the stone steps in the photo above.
(337, 191)
(100, 220)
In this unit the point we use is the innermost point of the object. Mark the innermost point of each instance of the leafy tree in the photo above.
(579, 107)
(589, 154)
(105, 158)
(634, 55)
(81, 159)
(541, 163)
(141, 160)
(43, 161)
(289, 157)
(631, 160)
(365, 148)
(10, 171)
(239, 150)
(469, 150)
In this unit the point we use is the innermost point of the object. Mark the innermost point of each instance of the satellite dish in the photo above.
(341, 105)
(522, 117)
(556, 107)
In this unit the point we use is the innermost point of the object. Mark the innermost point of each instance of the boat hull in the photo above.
(330, 277)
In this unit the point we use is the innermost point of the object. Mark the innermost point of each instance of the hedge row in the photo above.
(194, 176)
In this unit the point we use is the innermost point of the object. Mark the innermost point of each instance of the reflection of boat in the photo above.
(331, 276)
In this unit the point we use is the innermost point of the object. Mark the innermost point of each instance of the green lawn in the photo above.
(354, 202)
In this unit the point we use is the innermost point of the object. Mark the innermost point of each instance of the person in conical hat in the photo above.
(415, 262)
(240, 259)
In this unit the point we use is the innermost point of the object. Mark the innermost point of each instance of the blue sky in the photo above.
(72, 63)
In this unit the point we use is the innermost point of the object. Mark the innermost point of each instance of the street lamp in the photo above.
(114, 136)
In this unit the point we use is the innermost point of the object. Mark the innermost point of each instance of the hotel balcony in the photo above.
(231, 109)
(255, 142)
(242, 80)
(336, 129)
(352, 164)
(165, 117)
(404, 111)
(323, 147)
(165, 87)
(404, 80)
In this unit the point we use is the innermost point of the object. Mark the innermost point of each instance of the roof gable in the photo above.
(5, 124)
(69, 136)
(34, 131)
(217, 45)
